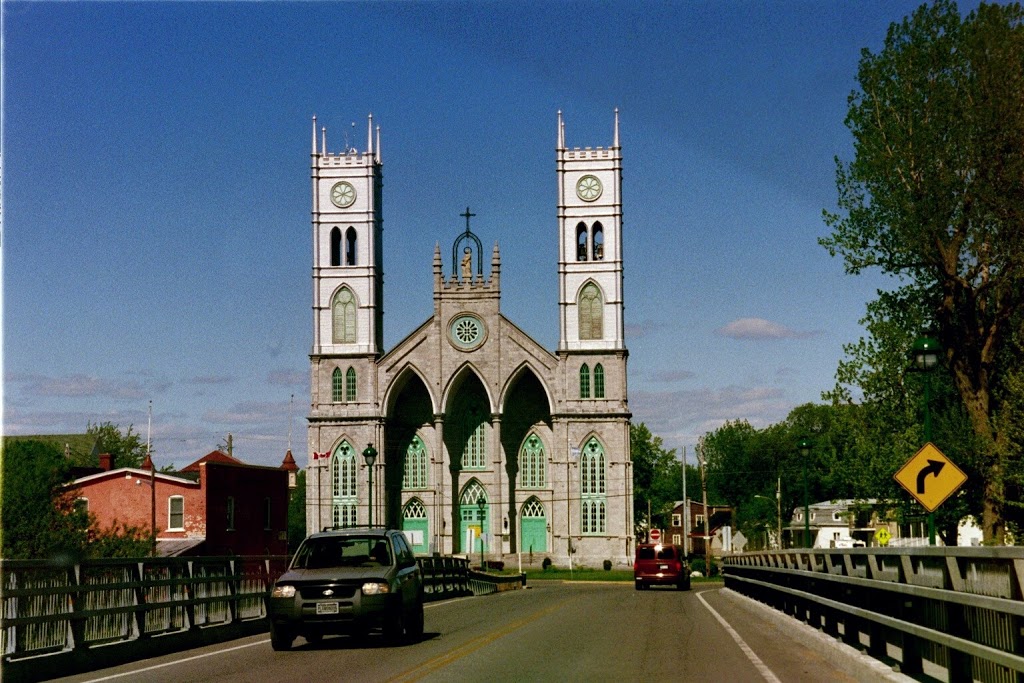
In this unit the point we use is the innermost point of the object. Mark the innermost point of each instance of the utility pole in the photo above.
(152, 479)
(778, 509)
(686, 511)
(702, 459)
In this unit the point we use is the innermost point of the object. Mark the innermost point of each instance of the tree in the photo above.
(935, 197)
(656, 478)
(297, 512)
(128, 449)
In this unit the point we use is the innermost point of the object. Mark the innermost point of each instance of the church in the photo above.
(468, 434)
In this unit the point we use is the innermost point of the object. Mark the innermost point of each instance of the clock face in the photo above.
(588, 188)
(343, 195)
(466, 332)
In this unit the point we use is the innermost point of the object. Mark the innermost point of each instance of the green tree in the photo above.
(934, 197)
(128, 448)
(656, 479)
(297, 512)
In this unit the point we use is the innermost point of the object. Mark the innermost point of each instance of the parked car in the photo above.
(348, 581)
(660, 565)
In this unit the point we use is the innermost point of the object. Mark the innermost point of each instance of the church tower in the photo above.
(347, 261)
(590, 245)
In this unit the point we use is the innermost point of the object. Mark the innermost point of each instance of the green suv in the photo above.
(348, 581)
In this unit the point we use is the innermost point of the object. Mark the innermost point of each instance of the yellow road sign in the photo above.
(930, 477)
(883, 536)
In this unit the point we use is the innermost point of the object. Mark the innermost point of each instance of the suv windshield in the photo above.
(647, 553)
(347, 551)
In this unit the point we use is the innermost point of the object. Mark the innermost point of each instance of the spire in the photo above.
(369, 135)
(323, 148)
(377, 148)
(615, 142)
(561, 131)
(313, 152)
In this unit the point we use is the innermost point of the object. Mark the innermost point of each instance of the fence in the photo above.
(956, 609)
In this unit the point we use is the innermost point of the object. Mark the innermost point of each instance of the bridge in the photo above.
(841, 615)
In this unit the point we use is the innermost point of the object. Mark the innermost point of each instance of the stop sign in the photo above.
(655, 535)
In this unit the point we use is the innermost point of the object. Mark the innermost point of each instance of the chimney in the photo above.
(106, 462)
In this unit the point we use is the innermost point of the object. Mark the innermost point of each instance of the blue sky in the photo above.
(156, 236)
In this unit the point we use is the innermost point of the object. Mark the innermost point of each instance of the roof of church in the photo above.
(212, 456)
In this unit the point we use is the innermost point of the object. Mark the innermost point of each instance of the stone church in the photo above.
(478, 439)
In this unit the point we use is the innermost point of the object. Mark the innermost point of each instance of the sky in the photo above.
(156, 240)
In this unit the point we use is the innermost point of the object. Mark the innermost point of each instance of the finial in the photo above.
(561, 131)
(314, 135)
(378, 145)
(615, 142)
(323, 147)
(369, 135)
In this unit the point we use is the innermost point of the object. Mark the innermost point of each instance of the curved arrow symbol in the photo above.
(934, 467)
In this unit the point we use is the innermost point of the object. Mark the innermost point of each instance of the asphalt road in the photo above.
(551, 632)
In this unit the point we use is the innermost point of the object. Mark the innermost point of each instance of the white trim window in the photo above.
(176, 513)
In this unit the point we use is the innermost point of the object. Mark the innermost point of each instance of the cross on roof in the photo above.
(467, 216)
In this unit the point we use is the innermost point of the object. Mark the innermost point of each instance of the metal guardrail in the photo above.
(444, 577)
(961, 609)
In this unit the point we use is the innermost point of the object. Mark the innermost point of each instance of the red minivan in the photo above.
(662, 565)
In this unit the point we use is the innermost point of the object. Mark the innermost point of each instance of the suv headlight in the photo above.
(375, 588)
(283, 592)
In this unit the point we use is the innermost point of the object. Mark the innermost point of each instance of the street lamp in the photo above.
(481, 506)
(925, 357)
(370, 455)
(778, 509)
(804, 446)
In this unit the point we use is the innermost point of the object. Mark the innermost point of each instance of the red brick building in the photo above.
(218, 505)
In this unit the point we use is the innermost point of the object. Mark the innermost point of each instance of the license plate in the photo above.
(662, 566)
(326, 608)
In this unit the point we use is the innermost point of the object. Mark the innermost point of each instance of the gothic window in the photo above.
(533, 508)
(335, 247)
(598, 250)
(343, 485)
(470, 497)
(598, 381)
(336, 385)
(591, 312)
(474, 453)
(415, 510)
(343, 314)
(176, 513)
(532, 463)
(350, 247)
(592, 489)
(581, 242)
(415, 465)
(584, 381)
(350, 384)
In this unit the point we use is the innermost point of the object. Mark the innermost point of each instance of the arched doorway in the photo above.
(534, 526)
(473, 527)
(416, 525)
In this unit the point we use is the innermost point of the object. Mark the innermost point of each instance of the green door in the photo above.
(471, 519)
(534, 528)
(415, 526)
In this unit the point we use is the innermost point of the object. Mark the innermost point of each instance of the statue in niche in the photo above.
(467, 264)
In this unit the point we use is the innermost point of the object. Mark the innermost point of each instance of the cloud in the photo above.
(249, 413)
(209, 380)
(675, 376)
(643, 328)
(759, 328)
(288, 378)
(87, 386)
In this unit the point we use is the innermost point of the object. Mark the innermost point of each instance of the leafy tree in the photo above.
(934, 196)
(656, 478)
(297, 512)
(128, 448)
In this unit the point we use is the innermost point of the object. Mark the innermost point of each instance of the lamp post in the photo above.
(804, 446)
(925, 357)
(481, 506)
(370, 455)
(778, 510)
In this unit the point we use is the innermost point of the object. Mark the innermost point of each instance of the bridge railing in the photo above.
(444, 577)
(961, 609)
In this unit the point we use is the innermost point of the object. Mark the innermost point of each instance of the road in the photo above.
(551, 632)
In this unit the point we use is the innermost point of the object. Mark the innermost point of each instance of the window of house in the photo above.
(336, 385)
(472, 423)
(677, 519)
(532, 463)
(231, 513)
(343, 316)
(677, 539)
(266, 513)
(592, 489)
(176, 513)
(584, 381)
(698, 520)
(82, 505)
(581, 242)
(350, 247)
(591, 312)
(598, 381)
(335, 247)
(350, 384)
(837, 516)
(343, 486)
(415, 465)
(598, 250)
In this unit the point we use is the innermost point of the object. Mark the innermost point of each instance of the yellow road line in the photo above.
(441, 661)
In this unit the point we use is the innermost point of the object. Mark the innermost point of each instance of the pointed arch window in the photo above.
(591, 312)
(414, 509)
(598, 381)
(343, 485)
(598, 238)
(336, 392)
(593, 497)
(581, 242)
(533, 508)
(474, 452)
(584, 381)
(343, 316)
(472, 493)
(335, 247)
(532, 463)
(350, 247)
(350, 384)
(415, 465)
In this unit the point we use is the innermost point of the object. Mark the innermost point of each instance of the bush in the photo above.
(607, 565)
(697, 565)
(546, 563)
(496, 565)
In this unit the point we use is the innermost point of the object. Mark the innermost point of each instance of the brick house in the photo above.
(720, 519)
(217, 505)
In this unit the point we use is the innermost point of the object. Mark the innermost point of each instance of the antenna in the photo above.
(291, 418)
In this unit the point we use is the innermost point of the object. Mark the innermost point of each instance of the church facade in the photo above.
(484, 441)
